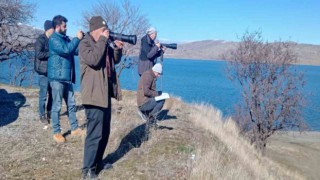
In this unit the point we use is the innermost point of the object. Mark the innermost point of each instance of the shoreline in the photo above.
(181, 58)
(294, 132)
(171, 57)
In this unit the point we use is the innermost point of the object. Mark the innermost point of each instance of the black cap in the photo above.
(48, 25)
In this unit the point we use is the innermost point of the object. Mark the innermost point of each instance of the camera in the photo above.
(131, 39)
(171, 46)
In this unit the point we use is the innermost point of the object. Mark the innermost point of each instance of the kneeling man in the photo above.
(146, 95)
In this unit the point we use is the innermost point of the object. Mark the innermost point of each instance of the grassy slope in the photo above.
(192, 143)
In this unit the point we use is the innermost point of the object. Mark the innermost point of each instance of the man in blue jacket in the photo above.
(40, 66)
(61, 74)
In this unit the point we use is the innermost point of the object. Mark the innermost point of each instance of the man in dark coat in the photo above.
(149, 51)
(40, 66)
(99, 83)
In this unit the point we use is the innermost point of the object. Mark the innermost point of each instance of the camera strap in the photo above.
(161, 62)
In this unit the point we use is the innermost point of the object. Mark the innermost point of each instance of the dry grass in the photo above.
(297, 151)
(192, 143)
(231, 157)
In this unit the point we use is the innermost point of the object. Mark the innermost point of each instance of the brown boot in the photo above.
(77, 132)
(59, 138)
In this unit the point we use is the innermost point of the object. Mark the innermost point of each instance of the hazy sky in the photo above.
(194, 20)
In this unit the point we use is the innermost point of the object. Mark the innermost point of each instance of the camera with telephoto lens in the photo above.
(131, 39)
(171, 46)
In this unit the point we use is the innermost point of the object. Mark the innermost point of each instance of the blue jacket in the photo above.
(61, 58)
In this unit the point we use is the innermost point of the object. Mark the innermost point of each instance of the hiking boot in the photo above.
(147, 132)
(154, 126)
(142, 116)
(107, 166)
(153, 123)
(103, 166)
(89, 174)
(49, 116)
(59, 138)
(77, 132)
(44, 120)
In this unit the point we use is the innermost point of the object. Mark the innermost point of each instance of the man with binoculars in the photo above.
(150, 51)
(99, 83)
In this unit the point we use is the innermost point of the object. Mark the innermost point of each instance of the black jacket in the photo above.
(148, 54)
(149, 51)
(41, 54)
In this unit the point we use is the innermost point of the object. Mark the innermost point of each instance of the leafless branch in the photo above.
(13, 39)
(121, 18)
(270, 87)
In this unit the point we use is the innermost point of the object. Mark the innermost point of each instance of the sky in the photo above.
(195, 20)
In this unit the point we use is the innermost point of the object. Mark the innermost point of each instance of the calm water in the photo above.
(205, 82)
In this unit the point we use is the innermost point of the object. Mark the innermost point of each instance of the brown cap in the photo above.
(97, 22)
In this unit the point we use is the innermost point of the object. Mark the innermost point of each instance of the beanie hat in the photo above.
(151, 30)
(157, 68)
(48, 25)
(97, 22)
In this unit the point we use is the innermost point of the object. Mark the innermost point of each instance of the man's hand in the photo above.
(105, 33)
(80, 34)
(119, 44)
(158, 44)
(163, 48)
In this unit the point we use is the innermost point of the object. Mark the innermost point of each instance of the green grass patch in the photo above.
(187, 149)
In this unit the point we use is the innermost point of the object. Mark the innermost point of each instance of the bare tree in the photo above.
(13, 40)
(121, 18)
(270, 87)
(16, 40)
(21, 69)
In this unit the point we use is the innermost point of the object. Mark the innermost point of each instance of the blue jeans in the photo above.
(44, 90)
(62, 90)
(152, 107)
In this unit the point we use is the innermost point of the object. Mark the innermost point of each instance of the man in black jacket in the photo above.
(40, 65)
(149, 51)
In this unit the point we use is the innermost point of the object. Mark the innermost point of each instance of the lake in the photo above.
(201, 81)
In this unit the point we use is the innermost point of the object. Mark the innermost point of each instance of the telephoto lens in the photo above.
(131, 39)
(171, 46)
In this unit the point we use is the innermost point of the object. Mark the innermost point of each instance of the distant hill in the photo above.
(213, 49)
(208, 50)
